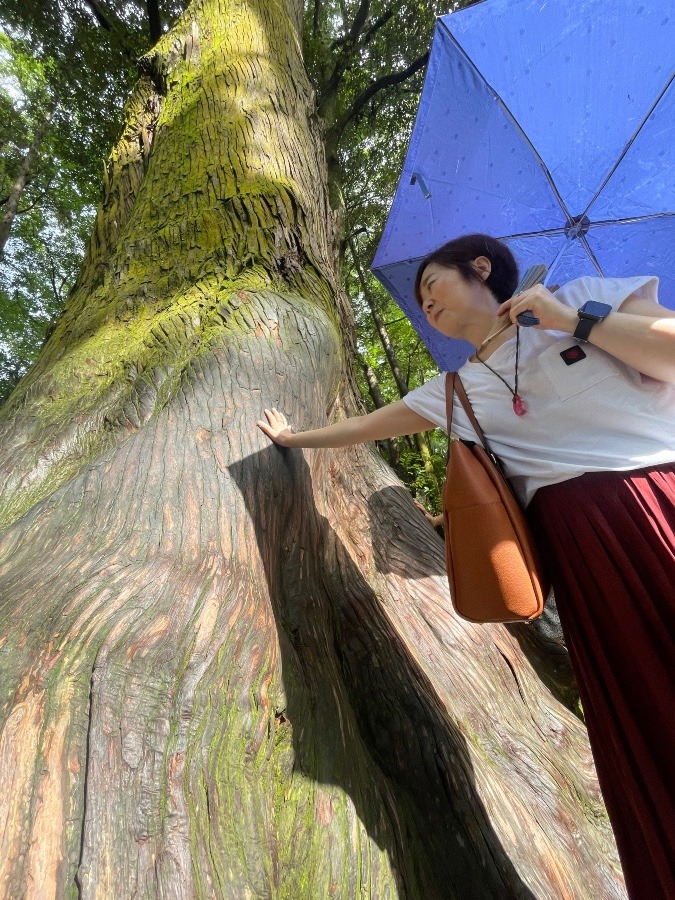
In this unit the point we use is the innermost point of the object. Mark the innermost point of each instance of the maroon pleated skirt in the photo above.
(609, 540)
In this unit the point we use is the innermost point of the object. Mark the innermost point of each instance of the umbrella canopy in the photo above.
(552, 126)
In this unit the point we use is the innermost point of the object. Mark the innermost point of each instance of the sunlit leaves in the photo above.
(57, 52)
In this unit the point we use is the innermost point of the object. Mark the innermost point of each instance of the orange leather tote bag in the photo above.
(493, 568)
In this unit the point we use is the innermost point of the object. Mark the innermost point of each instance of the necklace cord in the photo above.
(518, 406)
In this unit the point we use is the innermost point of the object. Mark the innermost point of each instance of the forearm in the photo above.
(393, 420)
(641, 333)
(647, 345)
(340, 434)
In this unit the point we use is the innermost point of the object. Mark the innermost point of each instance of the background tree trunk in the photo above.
(420, 440)
(228, 669)
(27, 168)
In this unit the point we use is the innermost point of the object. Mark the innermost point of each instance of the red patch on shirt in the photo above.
(572, 354)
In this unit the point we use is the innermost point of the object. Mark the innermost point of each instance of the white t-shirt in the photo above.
(595, 414)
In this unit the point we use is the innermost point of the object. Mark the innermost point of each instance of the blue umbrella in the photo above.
(550, 124)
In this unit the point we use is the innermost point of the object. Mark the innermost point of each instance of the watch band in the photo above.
(583, 329)
(590, 313)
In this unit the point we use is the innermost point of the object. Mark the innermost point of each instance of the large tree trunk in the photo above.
(229, 670)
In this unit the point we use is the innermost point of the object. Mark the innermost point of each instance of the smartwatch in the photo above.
(590, 313)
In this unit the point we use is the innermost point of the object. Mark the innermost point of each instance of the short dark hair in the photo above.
(461, 252)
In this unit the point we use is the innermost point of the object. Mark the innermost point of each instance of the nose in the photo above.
(427, 305)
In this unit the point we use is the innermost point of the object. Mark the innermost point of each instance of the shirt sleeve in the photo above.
(612, 291)
(429, 401)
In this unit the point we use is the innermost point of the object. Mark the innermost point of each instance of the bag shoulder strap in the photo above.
(453, 384)
(449, 395)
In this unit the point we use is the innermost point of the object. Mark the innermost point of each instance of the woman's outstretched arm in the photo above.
(390, 421)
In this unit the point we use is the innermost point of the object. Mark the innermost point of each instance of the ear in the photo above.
(483, 266)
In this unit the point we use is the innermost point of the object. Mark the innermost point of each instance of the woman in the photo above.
(581, 410)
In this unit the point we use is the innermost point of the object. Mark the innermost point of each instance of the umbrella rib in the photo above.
(630, 143)
(511, 118)
(607, 222)
(543, 232)
(603, 223)
(631, 219)
(586, 245)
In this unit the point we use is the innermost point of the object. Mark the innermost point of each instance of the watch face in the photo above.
(596, 310)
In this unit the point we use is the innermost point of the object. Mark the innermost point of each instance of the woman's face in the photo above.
(453, 304)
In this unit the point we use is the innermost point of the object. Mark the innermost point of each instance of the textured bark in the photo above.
(229, 670)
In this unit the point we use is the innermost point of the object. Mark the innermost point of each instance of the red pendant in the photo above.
(519, 407)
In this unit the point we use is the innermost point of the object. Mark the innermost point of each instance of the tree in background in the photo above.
(66, 68)
(367, 61)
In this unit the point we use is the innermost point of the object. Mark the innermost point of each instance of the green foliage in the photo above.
(353, 46)
(416, 366)
(57, 54)
(34, 280)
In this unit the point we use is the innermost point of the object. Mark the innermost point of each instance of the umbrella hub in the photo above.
(577, 227)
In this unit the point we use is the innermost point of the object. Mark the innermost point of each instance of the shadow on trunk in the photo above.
(419, 762)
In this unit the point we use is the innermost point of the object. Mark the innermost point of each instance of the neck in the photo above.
(499, 331)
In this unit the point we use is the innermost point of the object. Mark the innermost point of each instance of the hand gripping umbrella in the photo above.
(548, 124)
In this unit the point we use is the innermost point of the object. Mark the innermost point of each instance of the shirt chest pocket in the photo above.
(580, 367)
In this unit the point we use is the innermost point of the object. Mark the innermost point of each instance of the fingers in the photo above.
(274, 417)
(539, 301)
(432, 519)
(276, 424)
(519, 302)
(506, 306)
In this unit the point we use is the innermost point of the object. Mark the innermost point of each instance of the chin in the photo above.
(446, 333)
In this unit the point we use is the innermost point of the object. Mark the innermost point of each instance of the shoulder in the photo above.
(432, 390)
(612, 291)
(434, 387)
(428, 400)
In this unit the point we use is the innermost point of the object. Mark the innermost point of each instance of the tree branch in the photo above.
(360, 20)
(114, 27)
(30, 206)
(375, 87)
(99, 16)
(154, 20)
(27, 169)
(345, 45)
(377, 24)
